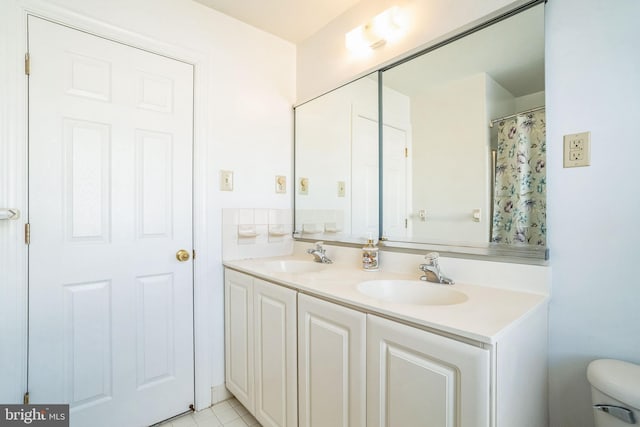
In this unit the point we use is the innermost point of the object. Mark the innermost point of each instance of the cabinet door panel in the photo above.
(332, 360)
(276, 365)
(418, 378)
(238, 336)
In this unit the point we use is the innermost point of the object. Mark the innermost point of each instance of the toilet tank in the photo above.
(615, 392)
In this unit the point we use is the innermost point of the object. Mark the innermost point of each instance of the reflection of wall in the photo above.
(324, 132)
(451, 161)
(530, 101)
(500, 102)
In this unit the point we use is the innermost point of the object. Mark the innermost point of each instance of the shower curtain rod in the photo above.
(514, 115)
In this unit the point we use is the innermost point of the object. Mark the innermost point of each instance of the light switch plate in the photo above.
(577, 149)
(303, 186)
(226, 180)
(281, 184)
(341, 188)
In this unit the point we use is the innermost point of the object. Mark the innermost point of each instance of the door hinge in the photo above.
(25, 399)
(27, 233)
(27, 64)
(194, 254)
(406, 152)
(406, 223)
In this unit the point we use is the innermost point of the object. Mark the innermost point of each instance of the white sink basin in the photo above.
(293, 266)
(411, 292)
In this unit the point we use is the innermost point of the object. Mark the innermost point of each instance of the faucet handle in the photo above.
(432, 258)
(319, 245)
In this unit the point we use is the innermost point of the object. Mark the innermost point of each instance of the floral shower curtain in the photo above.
(519, 208)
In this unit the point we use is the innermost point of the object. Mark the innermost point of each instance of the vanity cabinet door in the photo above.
(238, 336)
(276, 367)
(416, 378)
(331, 364)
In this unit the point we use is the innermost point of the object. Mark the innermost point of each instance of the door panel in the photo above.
(155, 328)
(110, 154)
(87, 360)
(154, 180)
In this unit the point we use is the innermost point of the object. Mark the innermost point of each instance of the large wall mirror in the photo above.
(462, 144)
(464, 141)
(336, 164)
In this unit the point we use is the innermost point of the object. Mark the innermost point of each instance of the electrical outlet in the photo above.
(577, 148)
(575, 155)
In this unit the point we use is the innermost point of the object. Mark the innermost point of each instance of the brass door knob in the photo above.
(182, 255)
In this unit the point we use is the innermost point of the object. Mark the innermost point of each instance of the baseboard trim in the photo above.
(220, 393)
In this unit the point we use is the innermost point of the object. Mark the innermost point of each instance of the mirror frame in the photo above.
(491, 251)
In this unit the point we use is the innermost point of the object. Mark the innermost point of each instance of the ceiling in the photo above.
(292, 20)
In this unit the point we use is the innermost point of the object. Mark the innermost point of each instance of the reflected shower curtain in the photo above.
(519, 208)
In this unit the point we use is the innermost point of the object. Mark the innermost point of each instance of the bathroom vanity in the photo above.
(310, 344)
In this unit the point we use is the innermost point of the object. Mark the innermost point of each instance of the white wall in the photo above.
(245, 85)
(592, 84)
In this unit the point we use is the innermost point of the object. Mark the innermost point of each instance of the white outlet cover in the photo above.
(577, 150)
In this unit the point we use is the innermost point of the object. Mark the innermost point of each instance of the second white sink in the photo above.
(411, 292)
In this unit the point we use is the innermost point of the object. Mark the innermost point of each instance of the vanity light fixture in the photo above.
(383, 28)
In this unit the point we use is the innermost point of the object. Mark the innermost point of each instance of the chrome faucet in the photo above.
(319, 254)
(432, 271)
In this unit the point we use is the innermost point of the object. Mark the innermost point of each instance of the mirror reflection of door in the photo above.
(398, 221)
(364, 176)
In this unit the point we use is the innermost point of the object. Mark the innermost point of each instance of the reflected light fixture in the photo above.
(383, 28)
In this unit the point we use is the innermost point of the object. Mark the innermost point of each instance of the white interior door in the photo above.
(110, 154)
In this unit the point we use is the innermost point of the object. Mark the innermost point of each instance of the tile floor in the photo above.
(229, 413)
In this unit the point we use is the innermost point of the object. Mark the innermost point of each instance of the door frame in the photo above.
(203, 346)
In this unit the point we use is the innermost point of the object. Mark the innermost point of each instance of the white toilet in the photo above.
(615, 390)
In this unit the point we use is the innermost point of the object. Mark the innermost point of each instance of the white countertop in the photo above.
(483, 317)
